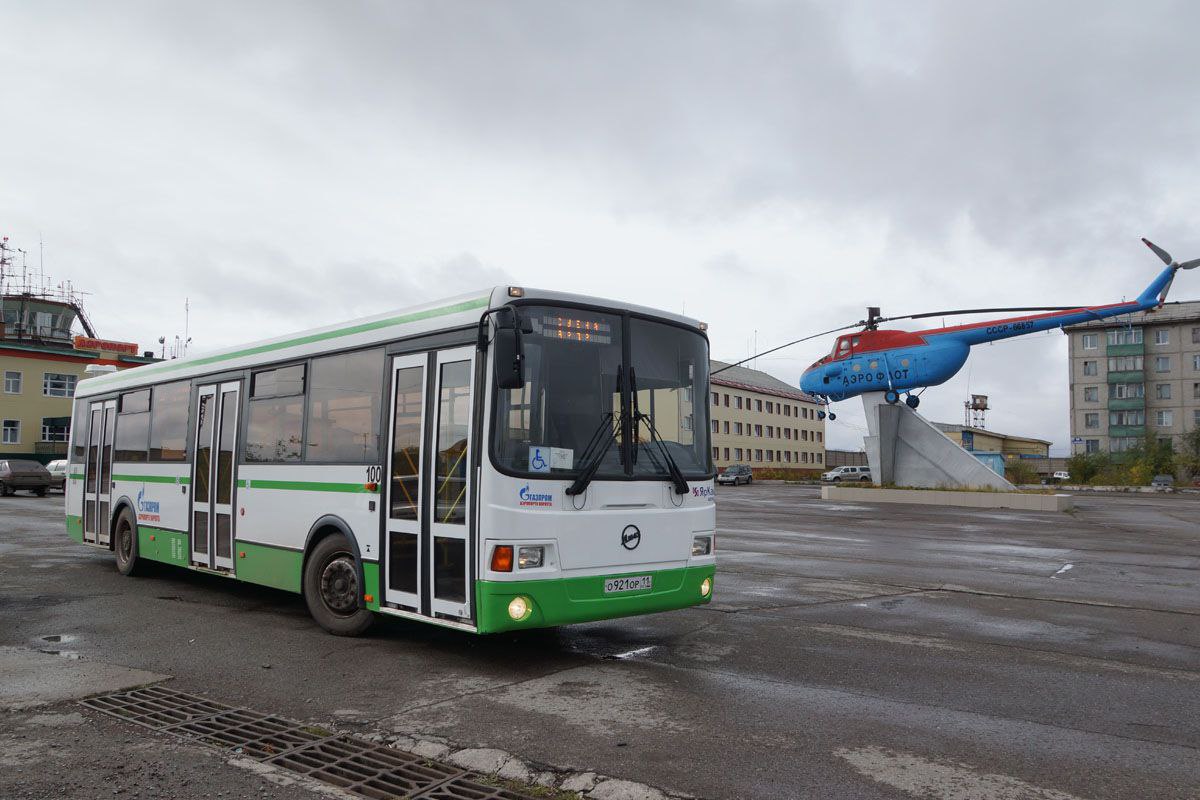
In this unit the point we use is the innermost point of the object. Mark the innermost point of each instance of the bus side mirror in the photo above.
(508, 358)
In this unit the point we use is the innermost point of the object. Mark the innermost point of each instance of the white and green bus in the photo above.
(496, 461)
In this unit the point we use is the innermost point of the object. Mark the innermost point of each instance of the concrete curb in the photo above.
(935, 497)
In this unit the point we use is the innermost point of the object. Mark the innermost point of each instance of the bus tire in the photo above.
(331, 588)
(125, 544)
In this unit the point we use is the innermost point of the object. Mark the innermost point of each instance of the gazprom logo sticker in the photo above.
(535, 499)
(147, 509)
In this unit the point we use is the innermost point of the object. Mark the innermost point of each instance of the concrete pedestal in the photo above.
(905, 449)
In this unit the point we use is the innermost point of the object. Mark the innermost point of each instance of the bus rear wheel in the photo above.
(125, 544)
(332, 589)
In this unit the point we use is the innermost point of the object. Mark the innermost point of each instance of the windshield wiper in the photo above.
(602, 439)
(673, 471)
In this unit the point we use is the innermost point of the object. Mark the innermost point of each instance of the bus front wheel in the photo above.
(125, 544)
(332, 590)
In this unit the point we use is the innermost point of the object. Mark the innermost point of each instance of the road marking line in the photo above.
(942, 780)
(641, 651)
(1064, 569)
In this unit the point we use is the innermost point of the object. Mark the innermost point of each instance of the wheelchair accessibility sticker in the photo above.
(539, 459)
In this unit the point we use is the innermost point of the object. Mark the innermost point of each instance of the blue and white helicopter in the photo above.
(898, 362)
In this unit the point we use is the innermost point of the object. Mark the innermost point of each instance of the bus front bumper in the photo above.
(564, 601)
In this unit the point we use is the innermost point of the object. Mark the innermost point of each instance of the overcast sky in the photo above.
(770, 167)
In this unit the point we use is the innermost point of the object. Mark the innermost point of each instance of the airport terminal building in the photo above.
(1135, 374)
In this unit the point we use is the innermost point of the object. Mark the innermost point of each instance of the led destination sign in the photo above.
(576, 329)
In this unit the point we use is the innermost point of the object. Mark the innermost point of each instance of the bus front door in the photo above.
(97, 478)
(212, 518)
(429, 484)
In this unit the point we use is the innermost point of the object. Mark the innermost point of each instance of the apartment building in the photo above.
(762, 421)
(1134, 374)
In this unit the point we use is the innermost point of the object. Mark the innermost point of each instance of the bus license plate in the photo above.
(634, 584)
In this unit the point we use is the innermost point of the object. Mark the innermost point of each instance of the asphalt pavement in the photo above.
(851, 651)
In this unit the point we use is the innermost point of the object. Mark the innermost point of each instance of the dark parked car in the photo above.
(735, 474)
(19, 474)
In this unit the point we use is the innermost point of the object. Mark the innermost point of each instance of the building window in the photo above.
(727, 401)
(1196, 362)
(716, 399)
(1091, 341)
(11, 432)
(716, 426)
(1121, 391)
(1162, 337)
(12, 382)
(1091, 419)
(758, 405)
(787, 433)
(820, 436)
(770, 455)
(804, 436)
(1092, 446)
(716, 454)
(758, 455)
(770, 432)
(1164, 418)
(758, 431)
(726, 426)
(56, 429)
(1196, 417)
(726, 453)
(738, 402)
(819, 457)
(1089, 368)
(1125, 336)
(1196, 391)
(1195, 335)
(1119, 364)
(770, 407)
(1162, 363)
(56, 385)
(1127, 417)
(1162, 391)
(804, 457)
(737, 453)
(737, 428)
(1123, 443)
(787, 411)
(1091, 394)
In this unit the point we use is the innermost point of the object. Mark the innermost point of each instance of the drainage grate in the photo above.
(354, 765)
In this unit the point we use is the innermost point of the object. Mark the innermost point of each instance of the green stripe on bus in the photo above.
(564, 601)
(269, 566)
(160, 544)
(76, 476)
(75, 527)
(309, 486)
(371, 583)
(403, 319)
(151, 478)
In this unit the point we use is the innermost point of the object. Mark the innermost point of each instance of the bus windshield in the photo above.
(577, 391)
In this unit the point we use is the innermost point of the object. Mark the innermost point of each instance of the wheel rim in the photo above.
(124, 543)
(339, 586)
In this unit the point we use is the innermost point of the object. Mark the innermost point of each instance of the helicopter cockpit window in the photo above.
(843, 347)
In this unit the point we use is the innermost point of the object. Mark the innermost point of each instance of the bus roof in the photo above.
(445, 314)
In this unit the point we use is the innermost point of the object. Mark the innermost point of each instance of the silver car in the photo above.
(58, 474)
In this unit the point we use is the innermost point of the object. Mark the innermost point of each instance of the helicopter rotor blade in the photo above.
(1158, 251)
(858, 324)
(1195, 262)
(961, 311)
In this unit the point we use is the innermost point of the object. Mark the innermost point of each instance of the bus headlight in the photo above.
(706, 587)
(702, 545)
(531, 557)
(519, 608)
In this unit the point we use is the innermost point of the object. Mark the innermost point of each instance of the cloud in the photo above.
(769, 166)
